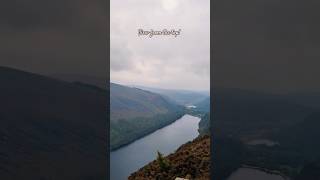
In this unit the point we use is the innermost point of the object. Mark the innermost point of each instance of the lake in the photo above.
(265, 142)
(134, 156)
(253, 174)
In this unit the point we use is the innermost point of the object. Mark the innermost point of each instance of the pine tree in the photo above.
(163, 163)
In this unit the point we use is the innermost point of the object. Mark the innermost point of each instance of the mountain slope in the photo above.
(191, 160)
(203, 105)
(136, 112)
(50, 129)
(262, 114)
(127, 102)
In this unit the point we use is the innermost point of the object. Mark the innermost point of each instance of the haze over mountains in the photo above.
(183, 97)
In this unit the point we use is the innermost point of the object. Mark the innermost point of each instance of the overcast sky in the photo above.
(181, 62)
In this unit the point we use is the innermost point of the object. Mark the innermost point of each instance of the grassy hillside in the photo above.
(136, 112)
(50, 129)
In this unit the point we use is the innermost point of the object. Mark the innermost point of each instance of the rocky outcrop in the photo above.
(190, 161)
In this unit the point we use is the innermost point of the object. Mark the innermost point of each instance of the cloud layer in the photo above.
(181, 62)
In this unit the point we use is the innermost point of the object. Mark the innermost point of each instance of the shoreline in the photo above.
(268, 171)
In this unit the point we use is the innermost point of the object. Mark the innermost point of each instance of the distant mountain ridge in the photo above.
(182, 97)
(100, 82)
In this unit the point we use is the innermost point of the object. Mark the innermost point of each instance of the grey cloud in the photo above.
(120, 57)
(179, 63)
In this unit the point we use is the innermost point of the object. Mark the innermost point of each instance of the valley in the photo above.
(144, 122)
(166, 140)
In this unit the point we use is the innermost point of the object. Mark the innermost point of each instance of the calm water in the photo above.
(265, 142)
(253, 174)
(130, 158)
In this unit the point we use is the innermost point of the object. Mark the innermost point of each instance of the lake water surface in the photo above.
(253, 174)
(265, 142)
(134, 156)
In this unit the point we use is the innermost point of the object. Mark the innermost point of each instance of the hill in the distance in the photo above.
(182, 97)
(50, 129)
(128, 102)
(136, 113)
(203, 105)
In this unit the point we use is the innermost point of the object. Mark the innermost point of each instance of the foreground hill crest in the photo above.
(190, 161)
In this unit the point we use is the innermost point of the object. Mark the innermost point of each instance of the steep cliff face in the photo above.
(190, 161)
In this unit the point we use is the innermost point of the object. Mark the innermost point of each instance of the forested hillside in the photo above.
(136, 112)
(203, 105)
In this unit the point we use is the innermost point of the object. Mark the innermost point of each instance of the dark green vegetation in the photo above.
(50, 129)
(243, 116)
(136, 113)
(203, 112)
(204, 124)
(125, 131)
(182, 97)
(162, 162)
